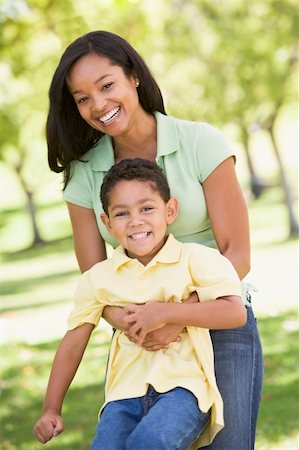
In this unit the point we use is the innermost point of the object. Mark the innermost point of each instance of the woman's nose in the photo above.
(98, 104)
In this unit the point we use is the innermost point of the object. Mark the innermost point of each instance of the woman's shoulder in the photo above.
(191, 131)
(203, 130)
(196, 125)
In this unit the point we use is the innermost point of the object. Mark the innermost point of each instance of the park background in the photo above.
(232, 63)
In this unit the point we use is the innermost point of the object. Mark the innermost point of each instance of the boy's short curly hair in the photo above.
(134, 169)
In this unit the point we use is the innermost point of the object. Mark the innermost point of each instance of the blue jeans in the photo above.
(239, 374)
(167, 421)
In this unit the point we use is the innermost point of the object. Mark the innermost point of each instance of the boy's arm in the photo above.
(225, 312)
(65, 365)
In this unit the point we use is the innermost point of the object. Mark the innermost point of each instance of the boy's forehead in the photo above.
(129, 190)
(136, 185)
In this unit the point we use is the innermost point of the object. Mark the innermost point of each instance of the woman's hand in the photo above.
(115, 315)
(148, 326)
(143, 319)
(161, 338)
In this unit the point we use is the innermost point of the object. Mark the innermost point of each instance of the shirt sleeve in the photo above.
(211, 150)
(79, 187)
(213, 274)
(88, 307)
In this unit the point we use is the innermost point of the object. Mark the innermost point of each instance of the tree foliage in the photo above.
(224, 62)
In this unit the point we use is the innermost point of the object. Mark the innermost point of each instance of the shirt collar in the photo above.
(169, 253)
(168, 142)
(168, 139)
(103, 155)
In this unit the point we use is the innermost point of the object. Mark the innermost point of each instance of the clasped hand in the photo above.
(148, 327)
(48, 426)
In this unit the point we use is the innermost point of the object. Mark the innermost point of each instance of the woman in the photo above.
(105, 106)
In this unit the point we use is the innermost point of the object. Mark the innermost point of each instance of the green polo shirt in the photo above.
(187, 152)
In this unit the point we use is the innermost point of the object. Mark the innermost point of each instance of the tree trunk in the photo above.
(293, 224)
(257, 186)
(31, 208)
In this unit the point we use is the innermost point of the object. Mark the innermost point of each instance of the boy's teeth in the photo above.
(139, 235)
(109, 115)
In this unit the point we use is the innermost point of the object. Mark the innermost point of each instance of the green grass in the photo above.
(36, 291)
(26, 367)
(278, 416)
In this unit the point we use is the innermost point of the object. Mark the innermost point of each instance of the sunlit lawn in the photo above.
(37, 286)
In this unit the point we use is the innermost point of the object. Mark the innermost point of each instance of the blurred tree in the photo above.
(231, 64)
(25, 35)
(33, 34)
(240, 62)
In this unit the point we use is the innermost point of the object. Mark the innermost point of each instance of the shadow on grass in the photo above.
(28, 283)
(26, 368)
(60, 245)
(8, 214)
(23, 388)
(80, 418)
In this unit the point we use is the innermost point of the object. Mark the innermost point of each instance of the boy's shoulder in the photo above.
(99, 270)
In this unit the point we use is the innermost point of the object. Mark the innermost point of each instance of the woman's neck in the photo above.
(141, 142)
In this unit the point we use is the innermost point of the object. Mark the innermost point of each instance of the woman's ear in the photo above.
(106, 222)
(172, 209)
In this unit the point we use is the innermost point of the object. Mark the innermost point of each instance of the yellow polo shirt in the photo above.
(176, 271)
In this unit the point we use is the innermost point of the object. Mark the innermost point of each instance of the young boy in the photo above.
(166, 399)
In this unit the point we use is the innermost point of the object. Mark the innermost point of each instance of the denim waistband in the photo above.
(247, 288)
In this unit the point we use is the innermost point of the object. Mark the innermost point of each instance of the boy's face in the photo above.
(138, 218)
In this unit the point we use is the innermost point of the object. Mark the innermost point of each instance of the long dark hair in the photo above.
(68, 135)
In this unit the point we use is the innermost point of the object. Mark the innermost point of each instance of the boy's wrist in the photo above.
(51, 410)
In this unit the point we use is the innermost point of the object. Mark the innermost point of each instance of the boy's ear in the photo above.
(106, 222)
(172, 209)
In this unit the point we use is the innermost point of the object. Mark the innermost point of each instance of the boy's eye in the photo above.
(146, 208)
(121, 213)
(107, 86)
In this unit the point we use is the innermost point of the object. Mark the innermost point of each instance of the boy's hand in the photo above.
(49, 425)
(144, 318)
(163, 337)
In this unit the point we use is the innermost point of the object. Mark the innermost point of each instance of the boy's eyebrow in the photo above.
(124, 205)
(95, 82)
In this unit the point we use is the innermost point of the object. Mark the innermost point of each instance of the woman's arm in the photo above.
(225, 312)
(229, 219)
(228, 215)
(161, 337)
(89, 245)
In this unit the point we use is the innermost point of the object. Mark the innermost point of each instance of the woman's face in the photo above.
(106, 98)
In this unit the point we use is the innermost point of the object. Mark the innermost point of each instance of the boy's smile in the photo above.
(138, 218)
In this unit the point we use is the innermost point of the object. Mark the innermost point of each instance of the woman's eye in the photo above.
(107, 86)
(81, 100)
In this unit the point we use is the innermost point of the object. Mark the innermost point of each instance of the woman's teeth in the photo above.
(109, 115)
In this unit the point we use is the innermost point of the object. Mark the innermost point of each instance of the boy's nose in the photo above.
(136, 220)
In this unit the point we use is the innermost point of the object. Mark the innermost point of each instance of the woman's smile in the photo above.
(104, 94)
(107, 118)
